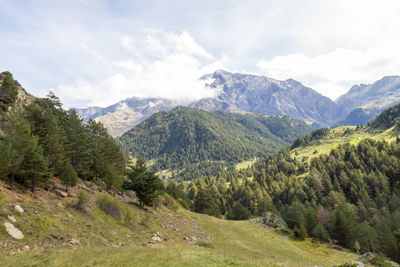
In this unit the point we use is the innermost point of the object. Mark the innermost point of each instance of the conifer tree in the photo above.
(145, 183)
(110, 177)
(77, 147)
(205, 203)
(68, 175)
(34, 168)
(238, 212)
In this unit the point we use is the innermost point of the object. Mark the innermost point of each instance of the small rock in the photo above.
(55, 236)
(11, 218)
(13, 231)
(74, 241)
(156, 238)
(18, 209)
(359, 263)
(61, 193)
(26, 248)
(366, 257)
(284, 238)
(194, 238)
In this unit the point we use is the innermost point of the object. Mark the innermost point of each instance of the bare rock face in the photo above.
(365, 101)
(122, 116)
(262, 95)
(13, 231)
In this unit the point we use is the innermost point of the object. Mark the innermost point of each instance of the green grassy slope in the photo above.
(105, 241)
(341, 135)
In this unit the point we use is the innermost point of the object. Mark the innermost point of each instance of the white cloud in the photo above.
(171, 69)
(334, 72)
(127, 42)
(328, 45)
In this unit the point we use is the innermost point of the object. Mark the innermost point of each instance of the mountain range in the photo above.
(262, 95)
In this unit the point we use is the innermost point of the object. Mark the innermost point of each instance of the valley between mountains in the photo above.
(251, 177)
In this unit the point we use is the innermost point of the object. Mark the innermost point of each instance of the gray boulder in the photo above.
(13, 231)
(61, 193)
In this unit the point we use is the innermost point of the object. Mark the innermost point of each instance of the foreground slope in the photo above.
(185, 138)
(60, 235)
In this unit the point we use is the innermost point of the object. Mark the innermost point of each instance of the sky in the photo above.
(96, 53)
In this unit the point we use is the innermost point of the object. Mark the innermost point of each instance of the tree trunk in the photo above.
(33, 185)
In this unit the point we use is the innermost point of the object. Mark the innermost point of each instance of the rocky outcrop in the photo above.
(269, 220)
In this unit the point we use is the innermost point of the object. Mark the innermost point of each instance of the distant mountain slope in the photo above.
(87, 112)
(358, 116)
(122, 116)
(185, 137)
(262, 95)
(387, 119)
(365, 101)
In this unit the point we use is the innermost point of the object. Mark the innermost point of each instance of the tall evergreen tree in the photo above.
(77, 147)
(205, 203)
(68, 175)
(34, 168)
(145, 183)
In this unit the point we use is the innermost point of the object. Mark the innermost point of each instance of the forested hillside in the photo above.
(194, 143)
(350, 194)
(40, 139)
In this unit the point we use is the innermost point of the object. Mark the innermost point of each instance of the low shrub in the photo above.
(286, 231)
(83, 201)
(205, 244)
(167, 201)
(116, 209)
(109, 205)
(44, 223)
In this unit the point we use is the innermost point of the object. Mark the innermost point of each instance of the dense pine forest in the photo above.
(192, 143)
(42, 139)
